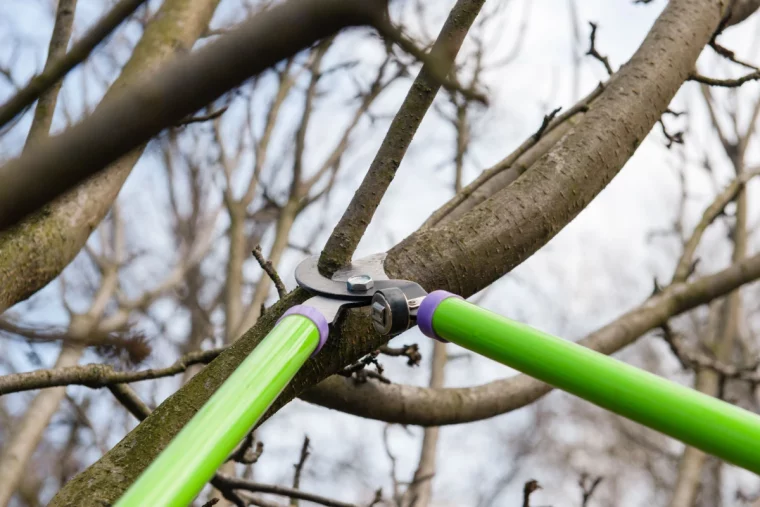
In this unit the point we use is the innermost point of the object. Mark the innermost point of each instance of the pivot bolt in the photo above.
(390, 311)
(360, 283)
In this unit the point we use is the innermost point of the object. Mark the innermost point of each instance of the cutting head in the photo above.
(362, 283)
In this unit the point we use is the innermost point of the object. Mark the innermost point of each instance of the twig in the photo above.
(299, 468)
(686, 263)
(545, 123)
(59, 68)
(730, 55)
(696, 360)
(270, 271)
(435, 66)
(97, 375)
(530, 487)
(245, 453)
(211, 502)
(725, 83)
(377, 498)
(593, 52)
(672, 139)
(411, 352)
(255, 487)
(588, 486)
(360, 372)
(131, 401)
(213, 115)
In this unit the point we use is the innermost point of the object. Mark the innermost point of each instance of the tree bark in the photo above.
(470, 253)
(342, 243)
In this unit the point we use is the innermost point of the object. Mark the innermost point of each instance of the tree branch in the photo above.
(345, 237)
(142, 111)
(43, 246)
(97, 375)
(255, 487)
(59, 41)
(515, 222)
(405, 404)
(592, 51)
(685, 263)
(56, 69)
(131, 401)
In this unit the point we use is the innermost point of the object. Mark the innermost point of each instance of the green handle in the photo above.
(179, 473)
(701, 421)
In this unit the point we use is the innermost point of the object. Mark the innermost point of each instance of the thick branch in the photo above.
(512, 224)
(506, 171)
(139, 113)
(344, 239)
(404, 404)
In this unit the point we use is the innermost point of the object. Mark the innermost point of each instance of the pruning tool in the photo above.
(190, 460)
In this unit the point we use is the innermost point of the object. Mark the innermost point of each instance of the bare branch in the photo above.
(730, 55)
(346, 236)
(299, 468)
(545, 123)
(213, 115)
(529, 488)
(144, 109)
(59, 41)
(255, 487)
(270, 271)
(592, 51)
(97, 375)
(685, 263)
(725, 83)
(57, 69)
(436, 67)
(588, 486)
(247, 453)
(131, 401)
(411, 352)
